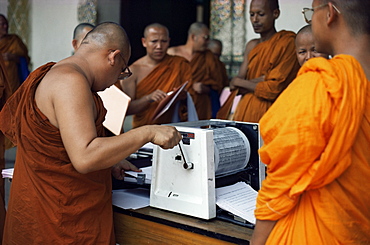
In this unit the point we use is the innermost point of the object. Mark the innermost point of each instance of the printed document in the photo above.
(238, 199)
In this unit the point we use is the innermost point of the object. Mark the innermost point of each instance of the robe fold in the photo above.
(13, 44)
(205, 70)
(5, 93)
(171, 73)
(316, 145)
(277, 61)
(50, 202)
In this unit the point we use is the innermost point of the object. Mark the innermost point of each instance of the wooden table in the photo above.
(154, 226)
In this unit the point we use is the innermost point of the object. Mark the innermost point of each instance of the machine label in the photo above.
(186, 137)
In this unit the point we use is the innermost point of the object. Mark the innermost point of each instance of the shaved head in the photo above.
(273, 4)
(108, 35)
(305, 29)
(155, 25)
(197, 28)
(355, 13)
(79, 29)
(215, 46)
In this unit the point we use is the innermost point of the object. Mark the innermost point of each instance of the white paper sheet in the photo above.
(131, 198)
(7, 173)
(116, 102)
(238, 199)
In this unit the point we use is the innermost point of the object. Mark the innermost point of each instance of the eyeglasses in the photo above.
(308, 12)
(125, 73)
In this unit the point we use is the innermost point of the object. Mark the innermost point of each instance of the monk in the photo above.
(207, 79)
(61, 189)
(153, 76)
(14, 52)
(305, 45)
(215, 46)
(5, 93)
(317, 136)
(79, 34)
(269, 65)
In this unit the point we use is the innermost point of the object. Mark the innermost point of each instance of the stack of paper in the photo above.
(238, 199)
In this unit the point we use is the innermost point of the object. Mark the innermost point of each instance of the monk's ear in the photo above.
(143, 42)
(112, 55)
(193, 37)
(74, 44)
(276, 13)
(332, 14)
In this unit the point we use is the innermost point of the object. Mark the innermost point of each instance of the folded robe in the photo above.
(316, 145)
(50, 202)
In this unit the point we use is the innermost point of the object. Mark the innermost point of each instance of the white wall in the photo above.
(52, 25)
(4, 7)
(291, 17)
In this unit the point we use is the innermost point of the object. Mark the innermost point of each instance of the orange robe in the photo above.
(171, 73)
(277, 61)
(50, 202)
(316, 145)
(4, 95)
(204, 70)
(13, 44)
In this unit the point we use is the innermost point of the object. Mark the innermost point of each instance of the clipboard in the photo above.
(167, 102)
(116, 103)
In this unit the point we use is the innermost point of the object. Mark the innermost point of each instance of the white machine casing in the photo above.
(191, 191)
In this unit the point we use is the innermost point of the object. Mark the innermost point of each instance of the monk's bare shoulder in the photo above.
(64, 82)
(251, 45)
(176, 50)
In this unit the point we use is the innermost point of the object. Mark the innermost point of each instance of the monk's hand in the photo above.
(200, 88)
(118, 170)
(235, 83)
(243, 91)
(156, 96)
(164, 136)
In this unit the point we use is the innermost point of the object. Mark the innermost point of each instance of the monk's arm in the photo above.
(138, 105)
(250, 85)
(262, 231)
(239, 81)
(75, 115)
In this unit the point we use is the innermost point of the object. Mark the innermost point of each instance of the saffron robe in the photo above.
(316, 145)
(277, 61)
(4, 95)
(171, 73)
(205, 70)
(13, 44)
(50, 202)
